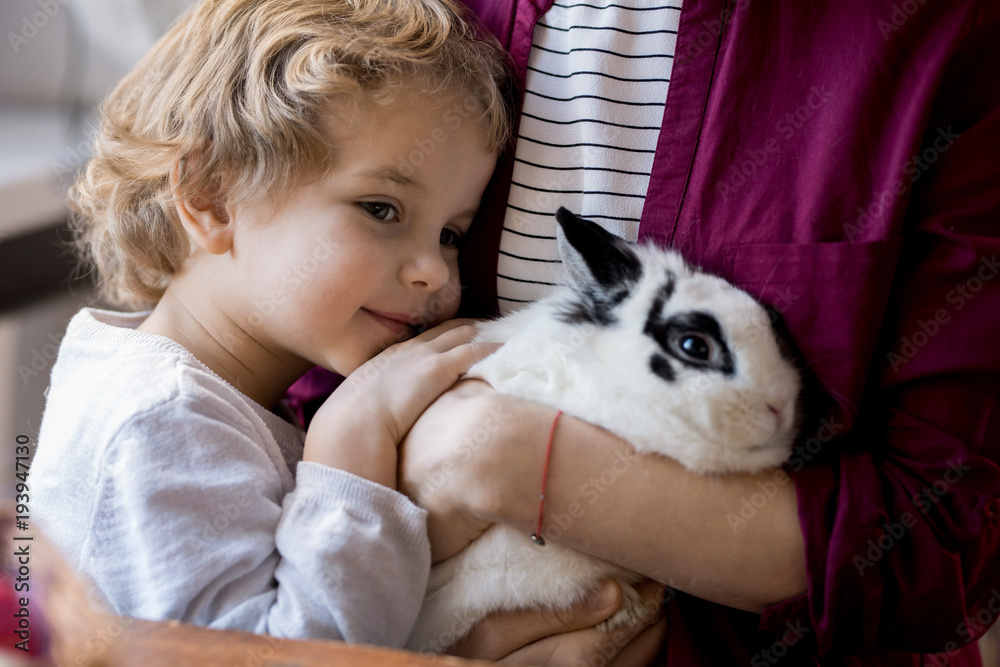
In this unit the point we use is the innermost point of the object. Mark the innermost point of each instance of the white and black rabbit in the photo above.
(675, 361)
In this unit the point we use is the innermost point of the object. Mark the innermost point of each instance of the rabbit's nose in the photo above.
(783, 411)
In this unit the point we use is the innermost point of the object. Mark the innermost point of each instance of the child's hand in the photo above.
(359, 427)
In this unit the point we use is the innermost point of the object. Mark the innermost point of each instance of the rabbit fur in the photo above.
(676, 362)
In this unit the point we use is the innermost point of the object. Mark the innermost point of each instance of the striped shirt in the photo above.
(596, 84)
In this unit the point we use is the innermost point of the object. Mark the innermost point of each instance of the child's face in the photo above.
(338, 269)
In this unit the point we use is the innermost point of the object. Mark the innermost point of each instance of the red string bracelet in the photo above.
(536, 536)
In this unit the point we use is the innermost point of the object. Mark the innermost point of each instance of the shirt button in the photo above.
(992, 508)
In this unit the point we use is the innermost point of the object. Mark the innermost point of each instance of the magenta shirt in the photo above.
(841, 161)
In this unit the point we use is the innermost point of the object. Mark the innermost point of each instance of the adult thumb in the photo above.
(599, 605)
(501, 633)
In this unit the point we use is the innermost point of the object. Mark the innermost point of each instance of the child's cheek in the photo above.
(444, 303)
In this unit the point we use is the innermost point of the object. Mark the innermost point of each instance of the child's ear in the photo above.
(205, 220)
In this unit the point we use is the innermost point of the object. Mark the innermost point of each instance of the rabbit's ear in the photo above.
(597, 260)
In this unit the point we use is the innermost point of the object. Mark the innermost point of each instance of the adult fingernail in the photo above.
(602, 597)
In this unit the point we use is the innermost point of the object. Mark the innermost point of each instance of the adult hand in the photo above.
(446, 461)
(476, 457)
(555, 637)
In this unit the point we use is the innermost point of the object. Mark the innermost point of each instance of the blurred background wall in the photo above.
(58, 58)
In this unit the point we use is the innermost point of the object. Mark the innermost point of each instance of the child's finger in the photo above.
(446, 327)
(446, 367)
(451, 338)
(459, 337)
(461, 357)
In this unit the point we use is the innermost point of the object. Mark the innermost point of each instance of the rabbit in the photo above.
(675, 361)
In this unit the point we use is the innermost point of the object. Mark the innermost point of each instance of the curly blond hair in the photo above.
(242, 94)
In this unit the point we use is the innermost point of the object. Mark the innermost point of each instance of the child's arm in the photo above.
(196, 517)
(360, 426)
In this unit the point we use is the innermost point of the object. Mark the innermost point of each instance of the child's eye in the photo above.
(380, 210)
(450, 238)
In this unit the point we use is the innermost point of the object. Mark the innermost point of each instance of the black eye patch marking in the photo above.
(660, 365)
(662, 296)
(786, 348)
(693, 338)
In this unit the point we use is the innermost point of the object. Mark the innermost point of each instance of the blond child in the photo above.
(286, 184)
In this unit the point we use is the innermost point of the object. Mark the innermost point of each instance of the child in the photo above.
(288, 184)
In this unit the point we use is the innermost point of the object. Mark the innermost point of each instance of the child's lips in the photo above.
(398, 323)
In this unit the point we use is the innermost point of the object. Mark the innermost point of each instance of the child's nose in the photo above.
(426, 269)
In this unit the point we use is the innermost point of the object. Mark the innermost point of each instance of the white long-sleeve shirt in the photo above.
(171, 491)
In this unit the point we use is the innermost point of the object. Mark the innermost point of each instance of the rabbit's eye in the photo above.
(695, 346)
(695, 339)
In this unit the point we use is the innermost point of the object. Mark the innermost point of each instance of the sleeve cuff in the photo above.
(325, 486)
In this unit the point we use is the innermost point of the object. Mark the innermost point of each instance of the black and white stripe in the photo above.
(597, 80)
